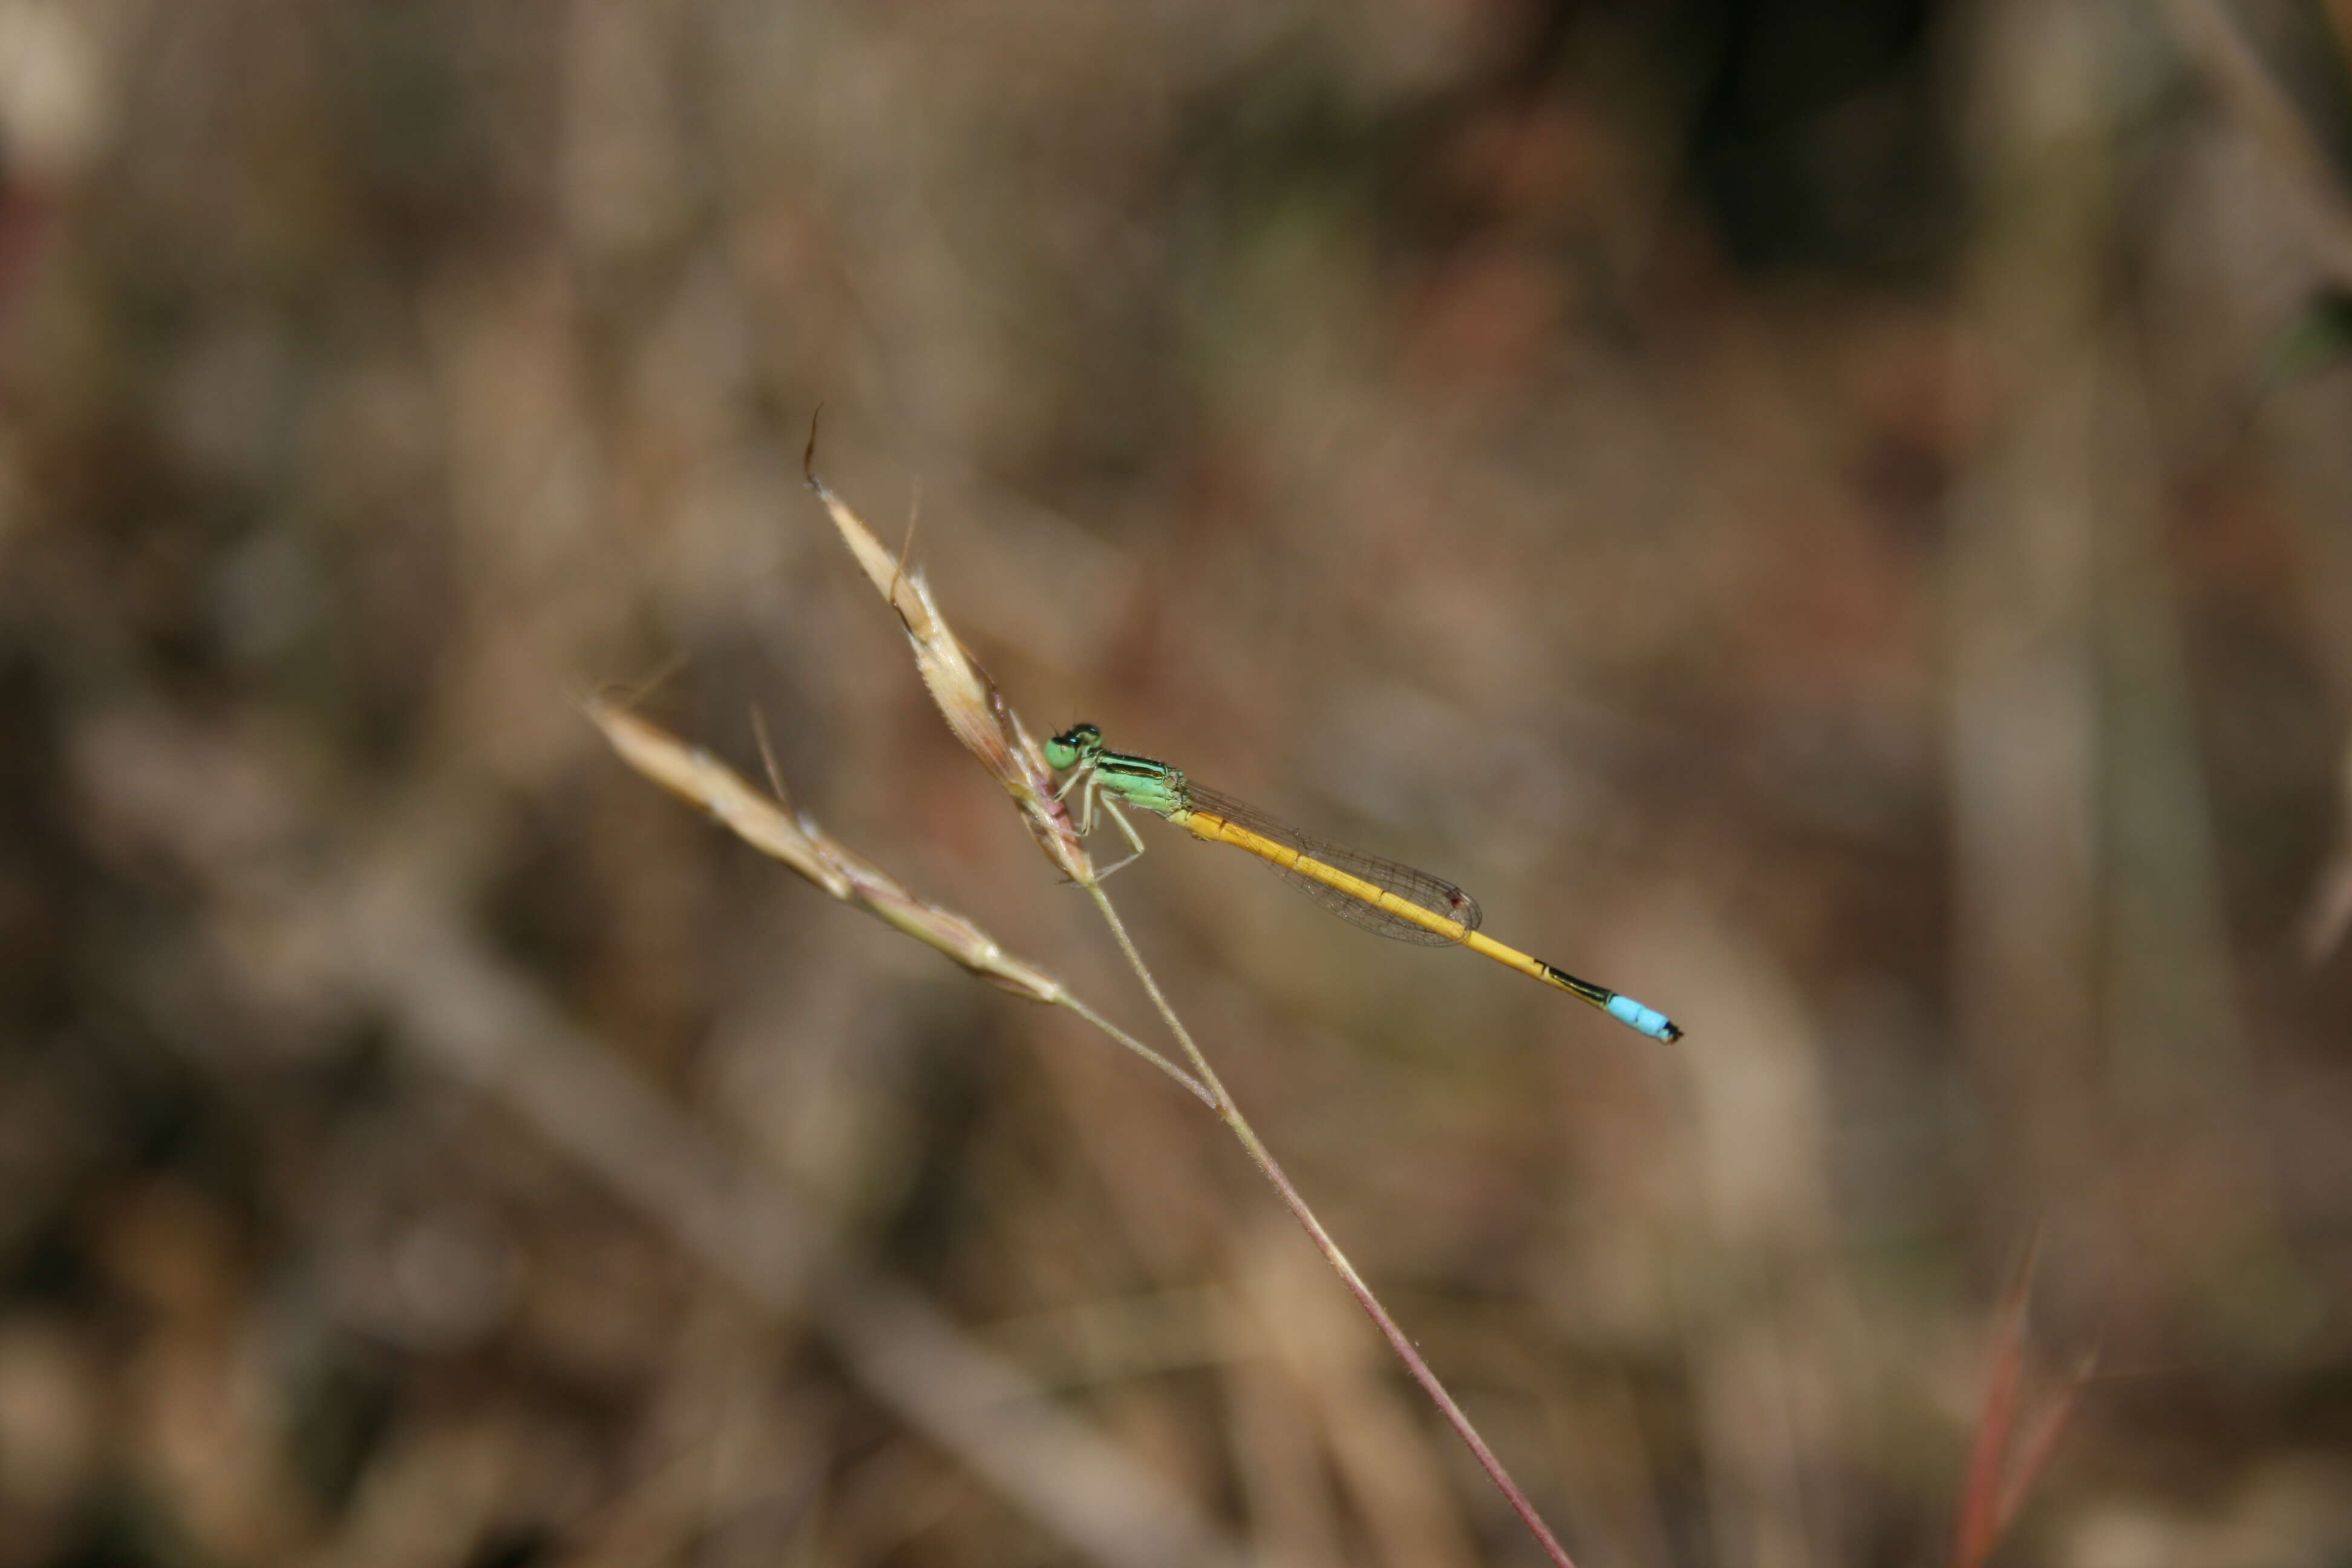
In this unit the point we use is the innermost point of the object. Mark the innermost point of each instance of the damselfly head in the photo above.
(1078, 744)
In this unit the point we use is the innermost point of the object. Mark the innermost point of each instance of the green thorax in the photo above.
(1138, 781)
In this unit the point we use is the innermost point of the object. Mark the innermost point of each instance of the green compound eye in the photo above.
(1072, 747)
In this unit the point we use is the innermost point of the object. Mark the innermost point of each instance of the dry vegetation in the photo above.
(1833, 519)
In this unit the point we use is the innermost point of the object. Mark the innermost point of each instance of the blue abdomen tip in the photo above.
(1649, 1020)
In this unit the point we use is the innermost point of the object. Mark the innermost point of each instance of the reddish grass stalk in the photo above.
(2001, 1470)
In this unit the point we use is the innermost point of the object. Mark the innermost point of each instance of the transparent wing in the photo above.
(1439, 897)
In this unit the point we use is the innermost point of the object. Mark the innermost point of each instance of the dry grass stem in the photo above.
(767, 826)
(981, 717)
(1295, 1202)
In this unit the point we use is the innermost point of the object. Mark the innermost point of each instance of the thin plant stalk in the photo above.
(978, 715)
(1230, 1114)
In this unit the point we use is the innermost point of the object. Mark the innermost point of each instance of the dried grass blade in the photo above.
(766, 824)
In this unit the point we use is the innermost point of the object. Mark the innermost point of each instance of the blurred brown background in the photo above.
(1831, 517)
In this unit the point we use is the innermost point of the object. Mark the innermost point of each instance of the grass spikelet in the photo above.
(768, 824)
(975, 710)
